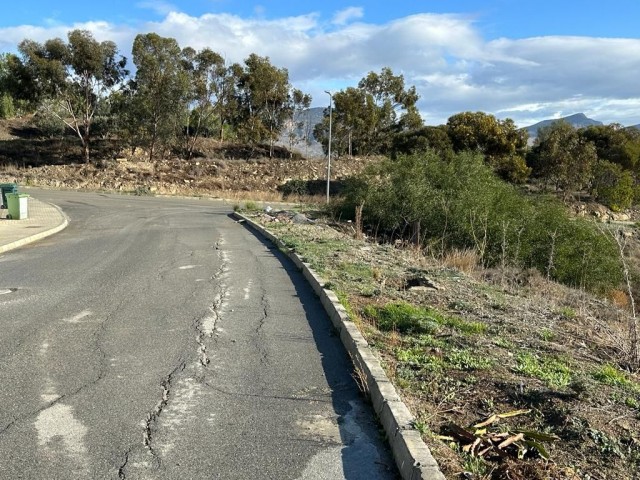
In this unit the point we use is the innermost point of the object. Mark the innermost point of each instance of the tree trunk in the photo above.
(415, 234)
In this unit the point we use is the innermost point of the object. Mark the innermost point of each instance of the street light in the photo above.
(329, 150)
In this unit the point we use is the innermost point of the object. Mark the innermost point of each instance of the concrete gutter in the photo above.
(412, 456)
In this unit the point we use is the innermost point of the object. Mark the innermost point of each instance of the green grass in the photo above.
(467, 360)
(553, 371)
(610, 375)
(546, 335)
(407, 318)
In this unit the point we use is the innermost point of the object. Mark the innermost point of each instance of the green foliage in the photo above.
(502, 144)
(7, 109)
(420, 140)
(610, 375)
(264, 102)
(403, 317)
(366, 118)
(613, 186)
(554, 372)
(562, 157)
(158, 96)
(460, 203)
(614, 144)
(75, 78)
(406, 318)
(467, 360)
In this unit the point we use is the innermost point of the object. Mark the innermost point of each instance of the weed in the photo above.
(610, 375)
(464, 326)
(475, 466)
(251, 206)
(422, 427)
(504, 343)
(632, 402)
(546, 335)
(407, 318)
(567, 312)
(607, 445)
(552, 371)
(463, 260)
(402, 317)
(417, 357)
(466, 360)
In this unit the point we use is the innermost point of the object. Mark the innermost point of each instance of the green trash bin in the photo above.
(18, 206)
(7, 188)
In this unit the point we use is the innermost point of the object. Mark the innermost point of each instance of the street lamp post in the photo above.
(329, 149)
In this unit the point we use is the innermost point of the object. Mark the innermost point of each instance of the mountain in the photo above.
(578, 120)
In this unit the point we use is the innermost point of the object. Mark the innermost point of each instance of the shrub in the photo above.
(7, 108)
(613, 186)
(459, 203)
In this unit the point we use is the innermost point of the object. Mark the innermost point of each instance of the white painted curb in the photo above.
(412, 456)
(38, 236)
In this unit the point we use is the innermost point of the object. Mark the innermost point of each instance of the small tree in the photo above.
(264, 104)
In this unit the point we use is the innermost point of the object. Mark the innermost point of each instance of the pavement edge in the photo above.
(38, 236)
(412, 456)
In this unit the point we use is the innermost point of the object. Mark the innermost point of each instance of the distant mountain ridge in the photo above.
(578, 120)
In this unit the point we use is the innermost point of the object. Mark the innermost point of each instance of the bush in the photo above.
(7, 108)
(613, 186)
(461, 204)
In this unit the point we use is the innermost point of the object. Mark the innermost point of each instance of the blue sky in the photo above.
(524, 60)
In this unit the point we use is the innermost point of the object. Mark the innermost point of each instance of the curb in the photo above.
(38, 236)
(412, 456)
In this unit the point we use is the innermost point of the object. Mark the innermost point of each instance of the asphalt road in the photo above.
(159, 339)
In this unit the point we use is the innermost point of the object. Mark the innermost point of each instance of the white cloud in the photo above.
(445, 56)
(346, 15)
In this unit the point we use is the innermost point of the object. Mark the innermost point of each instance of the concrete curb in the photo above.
(412, 456)
(38, 236)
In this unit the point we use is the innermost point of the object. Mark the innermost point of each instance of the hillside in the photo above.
(577, 120)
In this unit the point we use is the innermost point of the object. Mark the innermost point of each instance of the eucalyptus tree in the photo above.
(160, 91)
(369, 116)
(298, 125)
(73, 79)
(264, 101)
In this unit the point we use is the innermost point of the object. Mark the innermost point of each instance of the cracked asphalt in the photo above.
(156, 338)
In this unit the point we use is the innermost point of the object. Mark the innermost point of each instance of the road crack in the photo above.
(122, 474)
(264, 353)
(152, 417)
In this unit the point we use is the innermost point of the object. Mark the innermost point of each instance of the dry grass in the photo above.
(466, 261)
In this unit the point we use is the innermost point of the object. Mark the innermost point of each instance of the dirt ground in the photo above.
(215, 169)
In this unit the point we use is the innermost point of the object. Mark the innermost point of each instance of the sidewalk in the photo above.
(43, 220)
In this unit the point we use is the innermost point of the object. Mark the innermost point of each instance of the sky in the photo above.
(527, 61)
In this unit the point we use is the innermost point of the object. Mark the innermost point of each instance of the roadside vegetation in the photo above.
(495, 276)
(510, 374)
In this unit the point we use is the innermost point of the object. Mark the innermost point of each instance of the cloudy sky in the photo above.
(525, 60)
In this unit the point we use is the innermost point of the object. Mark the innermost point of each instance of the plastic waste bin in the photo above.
(7, 188)
(18, 205)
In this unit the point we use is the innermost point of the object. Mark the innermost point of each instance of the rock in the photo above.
(300, 219)
(620, 217)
